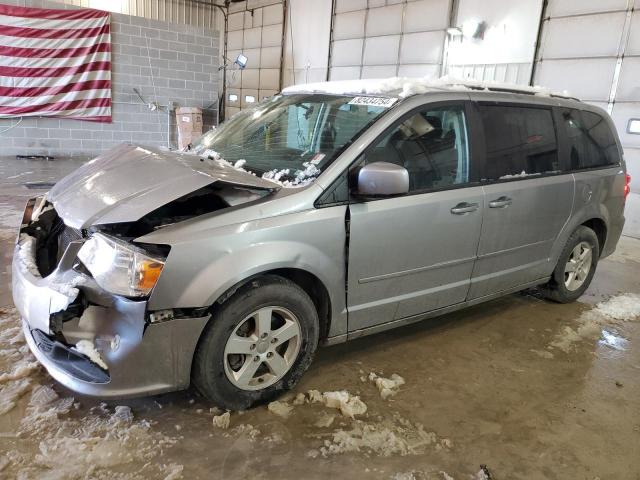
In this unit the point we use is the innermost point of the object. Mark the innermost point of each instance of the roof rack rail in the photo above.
(508, 88)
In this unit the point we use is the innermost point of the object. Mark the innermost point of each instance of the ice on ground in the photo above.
(69, 445)
(325, 420)
(542, 353)
(16, 361)
(388, 387)
(222, 421)
(612, 312)
(624, 307)
(86, 347)
(422, 475)
(300, 399)
(281, 409)
(315, 396)
(396, 436)
(172, 471)
(349, 405)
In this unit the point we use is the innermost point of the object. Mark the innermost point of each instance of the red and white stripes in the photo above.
(55, 63)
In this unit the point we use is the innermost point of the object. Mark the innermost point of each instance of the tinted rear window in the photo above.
(590, 140)
(520, 141)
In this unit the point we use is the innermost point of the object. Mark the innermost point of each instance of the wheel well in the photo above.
(315, 289)
(600, 228)
(311, 284)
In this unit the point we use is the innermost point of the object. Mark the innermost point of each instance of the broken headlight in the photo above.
(120, 267)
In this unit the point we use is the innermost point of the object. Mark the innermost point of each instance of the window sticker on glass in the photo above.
(384, 102)
(317, 158)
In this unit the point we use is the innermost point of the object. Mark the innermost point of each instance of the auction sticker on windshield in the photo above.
(384, 102)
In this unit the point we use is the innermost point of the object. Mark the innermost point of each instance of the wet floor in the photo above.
(530, 389)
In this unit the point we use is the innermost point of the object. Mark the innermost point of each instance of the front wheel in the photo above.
(257, 344)
(576, 267)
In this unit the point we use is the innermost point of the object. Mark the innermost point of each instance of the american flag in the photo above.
(55, 63)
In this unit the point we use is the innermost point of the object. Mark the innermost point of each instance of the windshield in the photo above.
(289, 139)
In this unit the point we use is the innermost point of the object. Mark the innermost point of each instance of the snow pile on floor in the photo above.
(281, 409)
(388, 387)
(422, 475)
(101, 443)
(16, 362)
(394, 436)
(624, 307)
(612, 312)
(222, 421)
(349, 405)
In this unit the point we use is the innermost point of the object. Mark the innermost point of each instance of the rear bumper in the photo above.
(141, 358)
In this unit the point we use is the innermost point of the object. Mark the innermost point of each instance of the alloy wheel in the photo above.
(262, 348)
(578, 266)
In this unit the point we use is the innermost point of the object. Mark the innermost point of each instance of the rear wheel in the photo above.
(257, 344)
(576, 267)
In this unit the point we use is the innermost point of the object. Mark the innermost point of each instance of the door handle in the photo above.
(501, 202)
(464, 207)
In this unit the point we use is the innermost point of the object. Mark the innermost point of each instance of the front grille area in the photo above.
(66, 236)
(52, 239)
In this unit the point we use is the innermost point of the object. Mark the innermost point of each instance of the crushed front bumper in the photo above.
(141, 357)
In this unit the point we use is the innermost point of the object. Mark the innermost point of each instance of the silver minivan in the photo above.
(322, 214)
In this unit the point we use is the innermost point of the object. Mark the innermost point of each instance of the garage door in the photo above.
(385, 38)
(592, 50)
(257, 34)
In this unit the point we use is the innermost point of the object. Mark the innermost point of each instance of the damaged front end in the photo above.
(83, 283)
(88, 323)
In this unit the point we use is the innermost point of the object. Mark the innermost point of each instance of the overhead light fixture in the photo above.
(454, 31)
(233, 97)
(249, 99)
(241, 61)
(634, 126)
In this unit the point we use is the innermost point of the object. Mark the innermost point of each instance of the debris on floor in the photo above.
(394, 436)
(325, 420)
(281, 409)
(349, 405)
(69, 444)
(222, 421)
(388, 387)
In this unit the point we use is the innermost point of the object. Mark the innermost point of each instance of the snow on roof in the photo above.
(405, 87)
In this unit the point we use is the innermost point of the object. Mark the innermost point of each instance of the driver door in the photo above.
(415, 253)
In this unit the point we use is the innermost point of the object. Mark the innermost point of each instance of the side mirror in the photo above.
(382, 179)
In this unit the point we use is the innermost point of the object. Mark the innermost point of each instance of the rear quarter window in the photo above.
(520, 141)
(591, 143)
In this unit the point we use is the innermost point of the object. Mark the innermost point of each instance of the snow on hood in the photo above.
(406, 86)
(128, 182)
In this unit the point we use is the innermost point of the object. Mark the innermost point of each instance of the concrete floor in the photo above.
(483, 386)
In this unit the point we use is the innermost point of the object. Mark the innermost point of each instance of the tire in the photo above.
(235, 326)
(557, 288)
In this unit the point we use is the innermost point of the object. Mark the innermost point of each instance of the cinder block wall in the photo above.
(166, 62)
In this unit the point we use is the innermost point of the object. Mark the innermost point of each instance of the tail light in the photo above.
(627, 184)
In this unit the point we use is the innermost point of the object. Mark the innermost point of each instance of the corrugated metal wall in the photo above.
(175, 11)
(592, 49)
(384, 38)
(255, 30)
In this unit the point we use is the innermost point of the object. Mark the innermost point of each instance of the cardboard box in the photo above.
(189, 122)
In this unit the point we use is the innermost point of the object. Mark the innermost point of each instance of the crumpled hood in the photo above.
(127, 182)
